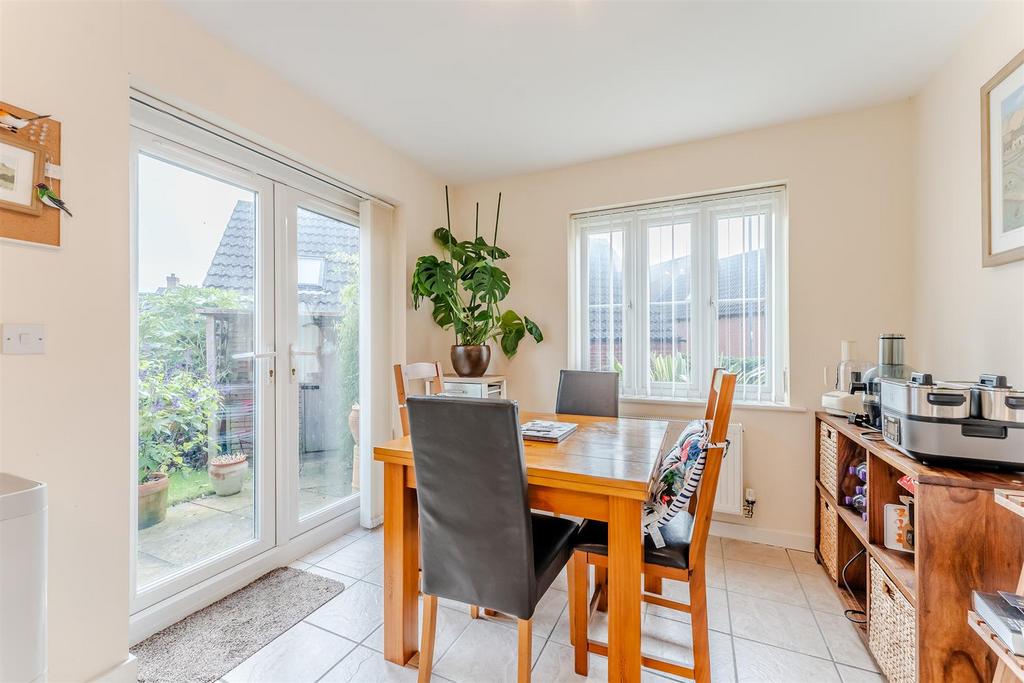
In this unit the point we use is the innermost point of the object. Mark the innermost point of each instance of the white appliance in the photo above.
(22, 580)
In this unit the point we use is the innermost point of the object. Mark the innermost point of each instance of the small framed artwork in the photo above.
(1002, 171)
(21, 167)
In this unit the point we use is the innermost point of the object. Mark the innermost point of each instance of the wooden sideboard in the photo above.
(917, 628)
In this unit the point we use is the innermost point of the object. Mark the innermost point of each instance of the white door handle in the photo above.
(254, 355)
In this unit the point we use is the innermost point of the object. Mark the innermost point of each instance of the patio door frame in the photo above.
(287, 201)
(159, 145)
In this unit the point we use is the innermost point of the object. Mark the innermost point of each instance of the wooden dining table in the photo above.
(599, 472)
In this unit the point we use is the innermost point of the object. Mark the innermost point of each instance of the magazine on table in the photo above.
(546, 430)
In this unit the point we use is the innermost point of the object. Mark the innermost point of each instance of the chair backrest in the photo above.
(476, 532)
(406, 375)
(719, 412)
(586, 392)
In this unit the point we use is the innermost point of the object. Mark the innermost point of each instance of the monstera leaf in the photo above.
(431, 278)
(489, 283)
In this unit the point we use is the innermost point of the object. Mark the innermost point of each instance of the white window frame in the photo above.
(635, 221)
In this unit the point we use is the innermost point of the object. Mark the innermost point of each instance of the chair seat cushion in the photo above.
(677, 533)
(553, 542)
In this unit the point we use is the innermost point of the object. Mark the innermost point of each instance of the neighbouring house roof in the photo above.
(739, 276)
(319, 237)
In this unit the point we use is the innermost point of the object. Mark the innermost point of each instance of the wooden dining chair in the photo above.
(681, 559)
(481, 543)
(406, 375)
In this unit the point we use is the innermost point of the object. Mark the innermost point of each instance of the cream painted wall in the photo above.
(849, 179)
(965, 319)
(65, 415)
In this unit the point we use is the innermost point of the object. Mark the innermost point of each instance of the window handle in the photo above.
(294, 353)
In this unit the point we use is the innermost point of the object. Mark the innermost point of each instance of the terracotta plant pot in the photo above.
(227, 474)
(153, 500)
(471, 361)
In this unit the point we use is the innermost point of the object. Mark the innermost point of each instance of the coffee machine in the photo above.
(891, 365)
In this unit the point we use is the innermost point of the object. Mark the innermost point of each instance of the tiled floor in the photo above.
(772, 613)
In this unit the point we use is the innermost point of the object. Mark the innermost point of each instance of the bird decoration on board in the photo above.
(14, 123)
(47, 196)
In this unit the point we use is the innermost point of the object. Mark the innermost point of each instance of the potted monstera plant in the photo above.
(465, 288)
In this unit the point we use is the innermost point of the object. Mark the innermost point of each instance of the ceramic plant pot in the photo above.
(227, 473)
(471, 361)
(153, 500)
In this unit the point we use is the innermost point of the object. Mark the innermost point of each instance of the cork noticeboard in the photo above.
(44, 137)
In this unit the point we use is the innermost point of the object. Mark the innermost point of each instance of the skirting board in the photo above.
(125, 672)
(741, 532)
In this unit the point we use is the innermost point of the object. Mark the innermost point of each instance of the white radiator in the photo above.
(729, 499)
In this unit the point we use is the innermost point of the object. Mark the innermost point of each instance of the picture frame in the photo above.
(21, 167)
(1002, 165)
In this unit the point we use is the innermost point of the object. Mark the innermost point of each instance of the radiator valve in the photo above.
(749, 501)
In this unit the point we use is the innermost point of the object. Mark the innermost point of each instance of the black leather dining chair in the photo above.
(480, 543)
(586, 392)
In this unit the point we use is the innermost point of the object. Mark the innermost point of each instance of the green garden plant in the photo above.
(466, 287)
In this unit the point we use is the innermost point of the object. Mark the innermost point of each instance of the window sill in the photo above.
(737, 405)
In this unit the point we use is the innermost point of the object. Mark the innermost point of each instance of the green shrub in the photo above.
(175, 411)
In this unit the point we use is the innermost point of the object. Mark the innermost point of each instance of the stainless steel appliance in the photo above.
(945, 422)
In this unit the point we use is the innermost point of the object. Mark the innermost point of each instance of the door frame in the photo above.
(265, 530)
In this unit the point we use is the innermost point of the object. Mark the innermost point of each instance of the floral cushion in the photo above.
(676, 479)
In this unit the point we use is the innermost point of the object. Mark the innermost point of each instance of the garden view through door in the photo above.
(324, 354)
(205, 364)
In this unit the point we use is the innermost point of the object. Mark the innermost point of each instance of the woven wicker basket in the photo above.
(827, 538)
(827, 459)
(892, 628)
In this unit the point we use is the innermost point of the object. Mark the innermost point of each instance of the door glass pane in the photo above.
(743, 301)
(670, 283)
(197, 399)
(605, 300)
(326, 359)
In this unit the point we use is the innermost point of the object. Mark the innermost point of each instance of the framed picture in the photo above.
(1002, 172)
(21, 167)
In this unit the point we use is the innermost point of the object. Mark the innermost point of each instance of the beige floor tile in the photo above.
(718, 605)
(673, 640)
(821, 592)
(776, 623)
(759, 663)
(715, 570)
(557, 664)
(850, 674)
(347, 580)
(302, 653)
(484, 652)
(356, 559)
(756, 553)
(450, 625)
(765, 582)
(844, 642)
(354, 614)
(804, 563)
(549, 610)
(364, 665)
(598, 627)
(330, 548)
(376, 576)
(714, 547)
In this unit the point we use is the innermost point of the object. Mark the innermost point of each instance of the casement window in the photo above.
(667, 291)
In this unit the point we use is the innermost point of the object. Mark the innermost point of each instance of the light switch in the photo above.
(23, 339)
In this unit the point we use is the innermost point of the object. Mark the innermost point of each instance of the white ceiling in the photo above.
(475, 90)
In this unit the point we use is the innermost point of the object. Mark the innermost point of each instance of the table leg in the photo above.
(401, 566)
(625, 557)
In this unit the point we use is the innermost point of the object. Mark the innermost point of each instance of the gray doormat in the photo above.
(206, 645)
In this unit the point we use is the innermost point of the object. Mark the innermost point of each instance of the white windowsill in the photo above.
(737, 405)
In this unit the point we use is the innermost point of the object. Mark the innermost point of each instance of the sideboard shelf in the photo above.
(965, 538)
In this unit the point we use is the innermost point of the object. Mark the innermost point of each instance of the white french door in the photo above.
(247, 361)
(318, 335)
